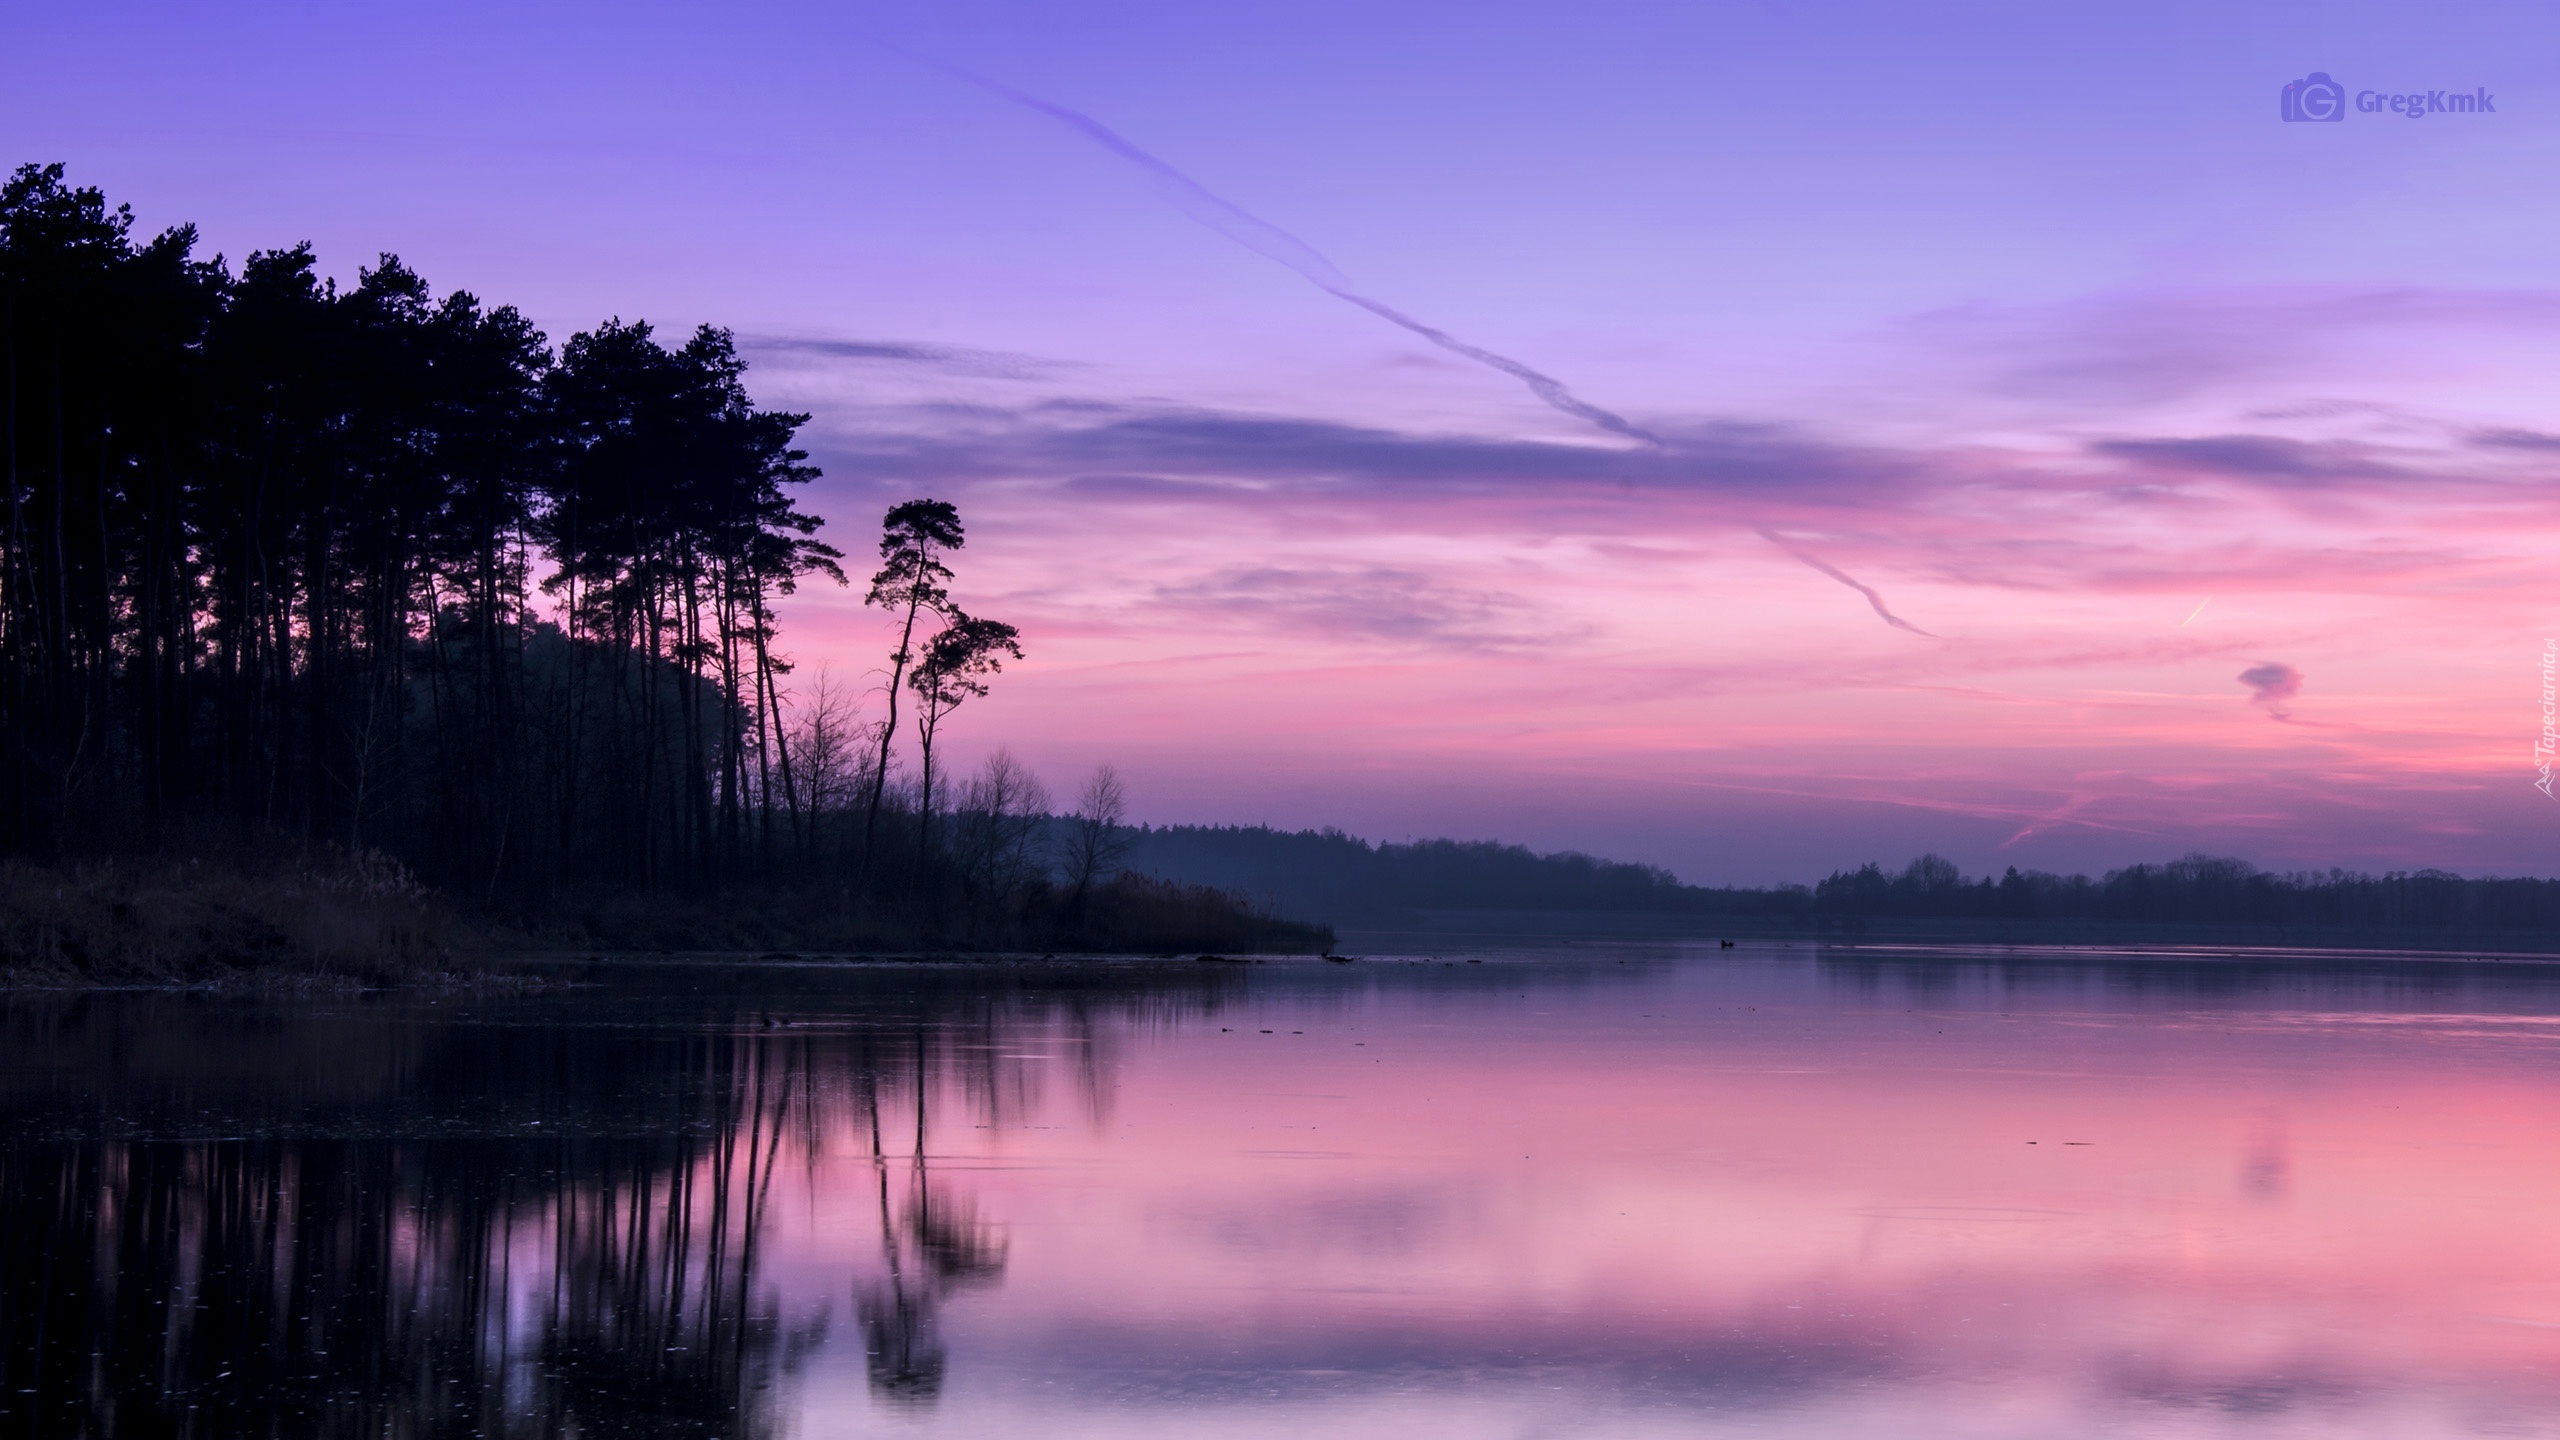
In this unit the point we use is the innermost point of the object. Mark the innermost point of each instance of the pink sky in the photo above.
(1568, 639)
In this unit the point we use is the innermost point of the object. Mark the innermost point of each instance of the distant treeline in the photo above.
(364, 570)
(2196, 888)
(1329, 873)
(1349, 880)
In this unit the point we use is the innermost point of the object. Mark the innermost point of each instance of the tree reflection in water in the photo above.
(935, 1245)
(481, 1229)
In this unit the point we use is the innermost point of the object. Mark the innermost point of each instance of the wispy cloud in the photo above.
(948, 359)
(2267, 459)
(2230, 514)
(1106, 443)
(2528, 440)
(2138, 348)
(1371, 603)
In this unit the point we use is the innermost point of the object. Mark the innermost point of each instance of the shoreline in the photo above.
(518, 971)
(551, 971)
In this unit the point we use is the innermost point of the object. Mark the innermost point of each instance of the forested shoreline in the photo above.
(340, 577)
(339, 620)
(1348, 880)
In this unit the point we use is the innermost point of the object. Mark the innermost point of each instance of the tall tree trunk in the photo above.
(769, 710)
(889, 729)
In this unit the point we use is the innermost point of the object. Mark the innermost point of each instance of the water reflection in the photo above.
(932, 1244)
(538, 1218)
(1617, 1190)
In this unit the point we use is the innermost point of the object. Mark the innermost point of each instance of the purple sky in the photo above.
(2034, 320)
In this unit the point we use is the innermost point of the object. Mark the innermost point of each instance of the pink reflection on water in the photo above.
(1739, 1199)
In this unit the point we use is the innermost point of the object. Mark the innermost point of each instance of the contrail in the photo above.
(1275, 244)
(1845, 578)
(2191, 615)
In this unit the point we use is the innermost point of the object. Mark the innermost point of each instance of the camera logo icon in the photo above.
(2315, 97)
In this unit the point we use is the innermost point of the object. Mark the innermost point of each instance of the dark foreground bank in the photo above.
(363, 919)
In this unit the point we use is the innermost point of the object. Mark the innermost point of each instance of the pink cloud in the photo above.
(2272, 686)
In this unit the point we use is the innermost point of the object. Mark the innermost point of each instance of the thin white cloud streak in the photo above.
(1277, 245)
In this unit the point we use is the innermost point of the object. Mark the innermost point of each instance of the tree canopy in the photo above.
(380, 567)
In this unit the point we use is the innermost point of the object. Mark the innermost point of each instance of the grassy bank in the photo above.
(362, 920)
(192, 921)
(1134, 915)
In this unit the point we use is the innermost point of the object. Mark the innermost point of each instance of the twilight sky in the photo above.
(2033, 320)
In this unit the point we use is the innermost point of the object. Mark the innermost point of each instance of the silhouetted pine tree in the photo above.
(272, 548)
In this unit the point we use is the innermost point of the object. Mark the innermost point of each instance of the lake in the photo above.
(1608, 1190)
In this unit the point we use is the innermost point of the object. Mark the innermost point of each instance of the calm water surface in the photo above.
(1631, 1191)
